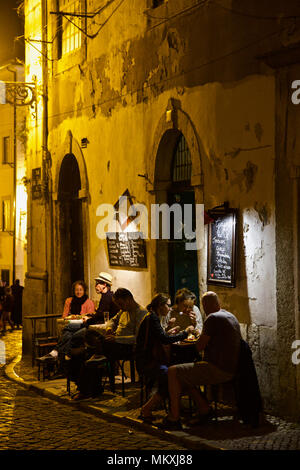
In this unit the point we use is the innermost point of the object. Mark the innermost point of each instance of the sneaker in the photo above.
(96, 359)
(47, 357)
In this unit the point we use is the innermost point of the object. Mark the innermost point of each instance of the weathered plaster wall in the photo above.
(117, 92)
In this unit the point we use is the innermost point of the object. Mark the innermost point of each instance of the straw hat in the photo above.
(105, 277)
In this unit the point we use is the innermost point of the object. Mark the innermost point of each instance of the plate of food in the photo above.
(192, 338)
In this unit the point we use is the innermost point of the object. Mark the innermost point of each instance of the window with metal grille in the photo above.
(70, 35)
(6, 214)
(5, 276)
(182, 162)
(6, 151)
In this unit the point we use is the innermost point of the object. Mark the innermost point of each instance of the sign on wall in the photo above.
(222, 246)
(126, 250)
(36, 187)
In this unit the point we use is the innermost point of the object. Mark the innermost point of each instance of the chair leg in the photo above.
(111, 375)
(68, 385)
(132, 371)
(142, 390)
(123, 378)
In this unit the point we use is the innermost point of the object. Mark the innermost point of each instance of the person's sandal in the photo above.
(80, 397)
(146, 419)
(169, 425)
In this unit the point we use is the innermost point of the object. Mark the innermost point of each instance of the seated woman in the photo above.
(151, 358)
(184, 313)
(78, 304)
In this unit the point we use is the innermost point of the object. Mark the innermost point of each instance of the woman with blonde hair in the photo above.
(152, 359)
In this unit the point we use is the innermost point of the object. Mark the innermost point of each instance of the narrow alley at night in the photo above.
(150, 227)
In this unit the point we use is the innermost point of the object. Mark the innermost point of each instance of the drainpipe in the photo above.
(14, 179)
(46, 168)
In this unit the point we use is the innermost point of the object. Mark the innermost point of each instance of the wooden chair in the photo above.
(132, 371)
(106, 366)
(43, 344)
(217, 395)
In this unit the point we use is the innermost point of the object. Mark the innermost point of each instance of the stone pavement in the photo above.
(227, 434)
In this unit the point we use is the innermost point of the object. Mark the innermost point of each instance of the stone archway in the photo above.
(173, 123)
(71, 220)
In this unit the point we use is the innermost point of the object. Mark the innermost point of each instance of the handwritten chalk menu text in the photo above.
(126, 250)
(222, 249)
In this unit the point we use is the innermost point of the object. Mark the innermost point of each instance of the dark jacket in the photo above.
(149, 343)
(249, 402)
(106, 304)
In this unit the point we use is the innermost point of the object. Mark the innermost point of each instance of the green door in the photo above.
(183, 265)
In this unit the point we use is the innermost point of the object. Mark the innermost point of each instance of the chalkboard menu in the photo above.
(222, 248)
(126, 250)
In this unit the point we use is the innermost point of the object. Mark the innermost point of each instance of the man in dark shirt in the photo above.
(220, 340)
(73, 337)
(106, 304)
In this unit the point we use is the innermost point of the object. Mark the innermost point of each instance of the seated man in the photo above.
(121, 330)
(220, 340)
(106, 304)
(118, 341)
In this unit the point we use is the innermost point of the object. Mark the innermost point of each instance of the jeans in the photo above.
(72, 336)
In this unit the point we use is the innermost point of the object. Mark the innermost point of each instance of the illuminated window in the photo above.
(69, 36)
(6, 150)
(156, 3)
(6, 215)
(5, 276)
(182, 163)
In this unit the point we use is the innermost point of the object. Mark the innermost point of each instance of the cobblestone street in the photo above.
(31, 422)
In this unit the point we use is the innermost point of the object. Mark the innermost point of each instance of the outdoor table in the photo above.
(184, 351)
(100, 328)
(34, 319)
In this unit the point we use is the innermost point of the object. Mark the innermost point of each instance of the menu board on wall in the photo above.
(126, 250)
(222, 244)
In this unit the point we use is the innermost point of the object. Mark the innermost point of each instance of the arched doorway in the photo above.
(176, 266)
(70, 222)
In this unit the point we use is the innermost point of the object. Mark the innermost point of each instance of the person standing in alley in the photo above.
(17, 293)
(7, 307)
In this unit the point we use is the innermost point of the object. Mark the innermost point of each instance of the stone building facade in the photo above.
(13, 195)
(124, 89)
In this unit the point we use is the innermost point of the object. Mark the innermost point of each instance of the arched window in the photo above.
(182, 163)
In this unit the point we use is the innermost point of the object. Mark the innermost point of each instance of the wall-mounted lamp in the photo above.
(25, 181)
